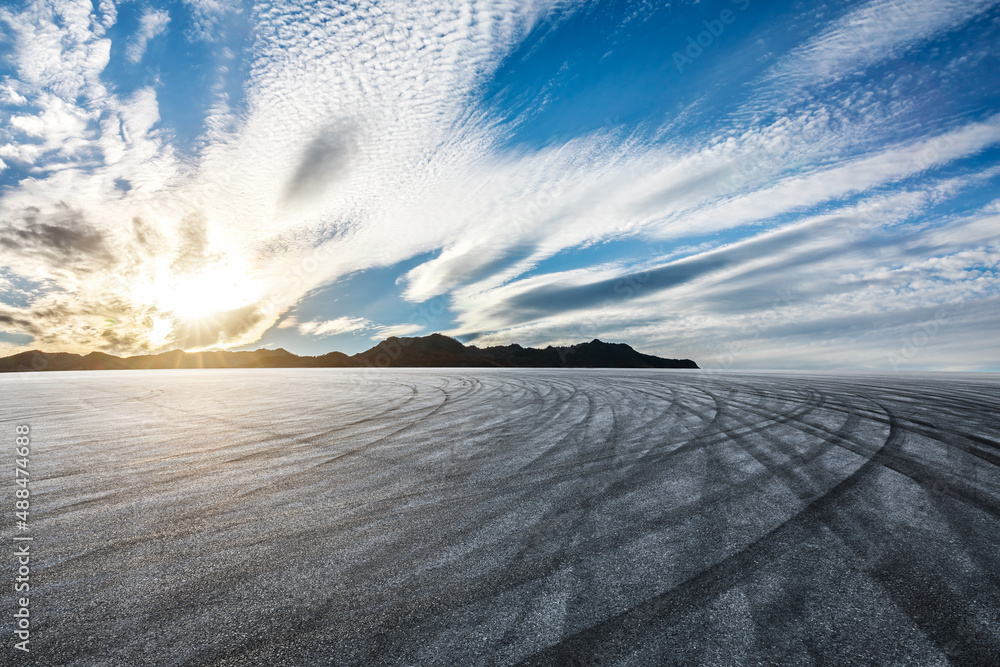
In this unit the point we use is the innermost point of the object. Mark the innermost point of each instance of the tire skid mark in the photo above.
(537, 567)
(670, 607)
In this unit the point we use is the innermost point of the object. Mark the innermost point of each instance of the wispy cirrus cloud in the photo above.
(345, 325)
(844, 280)
(873, 33)
(333, 327)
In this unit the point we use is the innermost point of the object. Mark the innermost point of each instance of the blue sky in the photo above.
(748, 184)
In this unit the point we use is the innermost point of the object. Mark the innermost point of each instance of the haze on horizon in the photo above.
(737, 182)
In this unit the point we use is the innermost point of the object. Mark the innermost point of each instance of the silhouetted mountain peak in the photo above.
(434, 350)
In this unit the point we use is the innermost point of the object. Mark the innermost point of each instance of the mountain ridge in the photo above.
(432, 351)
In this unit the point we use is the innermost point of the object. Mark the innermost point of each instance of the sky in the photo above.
(747, 184)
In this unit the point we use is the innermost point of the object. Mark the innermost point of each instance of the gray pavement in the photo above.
(487, 516)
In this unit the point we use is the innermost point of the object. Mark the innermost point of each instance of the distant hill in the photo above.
(433, 351)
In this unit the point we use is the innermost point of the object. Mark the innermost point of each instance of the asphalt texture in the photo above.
(485, 516)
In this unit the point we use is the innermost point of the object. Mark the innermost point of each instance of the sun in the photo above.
(205, 293)
(200, 297)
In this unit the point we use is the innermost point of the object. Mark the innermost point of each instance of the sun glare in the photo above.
(203, 294)
(193, 298)
(160, 333)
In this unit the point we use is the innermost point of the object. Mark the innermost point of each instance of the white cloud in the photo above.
(384, 332)
(10, 96)
(207, 15)
(56, 48)
(342, 325)
(333, 327)
(849, 176)
(108, 12)
(589, 191)
(152, 23)
(62, 126)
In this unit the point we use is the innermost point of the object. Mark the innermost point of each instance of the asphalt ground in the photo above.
(487, 516)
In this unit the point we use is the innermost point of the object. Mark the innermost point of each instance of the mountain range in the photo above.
(435, 350)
